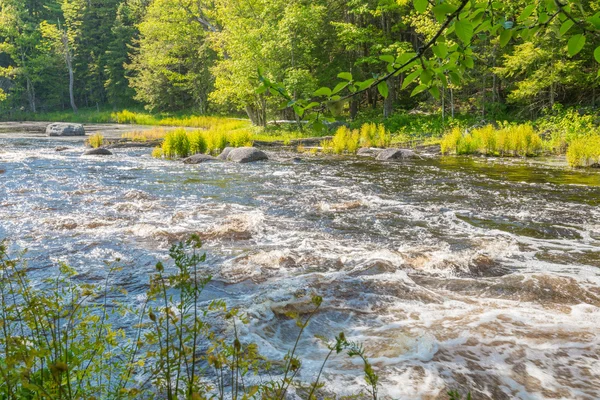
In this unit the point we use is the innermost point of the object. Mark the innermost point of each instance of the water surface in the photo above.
(454, 272)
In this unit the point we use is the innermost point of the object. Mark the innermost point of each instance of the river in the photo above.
(455, 272)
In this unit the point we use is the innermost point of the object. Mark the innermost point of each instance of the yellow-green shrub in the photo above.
(372, 135)
(450, 141)
(516, 140)
(157, 152)
(96, 140)
(216, 140)
(583, 152)
(240, 138)
(197, 142)
(176, 144)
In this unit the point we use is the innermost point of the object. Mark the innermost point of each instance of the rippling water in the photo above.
(465, 273)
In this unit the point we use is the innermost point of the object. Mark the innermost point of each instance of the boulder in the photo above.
(199, 159)
(246, 155)
(395, 154)
(98, 152)
(65, 129)
(225, 153)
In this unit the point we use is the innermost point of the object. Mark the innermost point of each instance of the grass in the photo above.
(348, 141)
(96, 140)
(181, 143)
(512, 140)
(584, 152)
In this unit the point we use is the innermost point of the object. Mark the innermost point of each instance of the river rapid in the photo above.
(456, 273)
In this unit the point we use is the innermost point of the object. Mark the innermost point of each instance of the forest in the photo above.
(517, 58)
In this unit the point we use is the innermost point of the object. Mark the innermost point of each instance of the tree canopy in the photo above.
(298, 59)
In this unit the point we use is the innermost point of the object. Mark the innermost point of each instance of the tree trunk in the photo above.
(69, 61)
(388, 103)
(31, 96)
(257, 115)
(353, 108)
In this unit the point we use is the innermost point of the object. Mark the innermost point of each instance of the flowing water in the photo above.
(455, 273)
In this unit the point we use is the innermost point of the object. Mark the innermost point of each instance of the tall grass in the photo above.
(182, 143)
(203, 122)
(96, 140)
(514, 140)
(584, 152)
(349, 141)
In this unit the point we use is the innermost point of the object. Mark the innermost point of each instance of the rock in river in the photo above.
(199, 159)
(65, 129)
(98, 152)
(245, 155)
(395, 154)
(225, 153)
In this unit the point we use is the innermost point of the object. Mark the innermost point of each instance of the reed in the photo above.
(96, 140)
(584, 152)
(514, 140)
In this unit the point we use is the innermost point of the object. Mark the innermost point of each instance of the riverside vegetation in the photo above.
(57, 340)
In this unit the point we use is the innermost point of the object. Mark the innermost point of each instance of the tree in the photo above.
(171, 65)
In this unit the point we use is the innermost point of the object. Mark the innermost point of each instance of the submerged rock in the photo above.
(61, 148)
(65, 129)
(199, 159)
(395, 154)
(98, 152)
(246, 155)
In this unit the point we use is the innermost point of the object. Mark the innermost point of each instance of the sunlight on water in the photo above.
(455, 272)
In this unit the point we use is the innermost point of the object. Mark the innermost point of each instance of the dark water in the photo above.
(454, 272)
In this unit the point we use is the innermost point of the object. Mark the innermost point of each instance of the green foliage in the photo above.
(512, 140)
(182, 143)
(176, 144)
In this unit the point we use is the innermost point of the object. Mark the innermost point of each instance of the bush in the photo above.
(96, 140)
(176, 144)
(197, 142)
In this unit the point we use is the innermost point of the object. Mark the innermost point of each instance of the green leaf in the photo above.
(418, 90)
(435, 92)
(426, 76)
(383, 89)
(505, 37)
(575, 44)
(410, 78)
(597, 54)
(564, 28)
(464, 30)
(387, 58)
(441, 10)
(421, 5)
(468, 62)
(324, 91)
(365, 84)
(441, 50)
(261, 89)
(527, 11)
(454, 78)
(339, 87)
(311, 105)
(299, 110)
(345, 75)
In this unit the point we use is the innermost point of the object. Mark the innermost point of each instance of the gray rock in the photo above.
(199, 159)
(225, 153)
(246, 155)
(367, 152)
(61, 148)
(395, 154)
(65, 129)
(98, 152)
